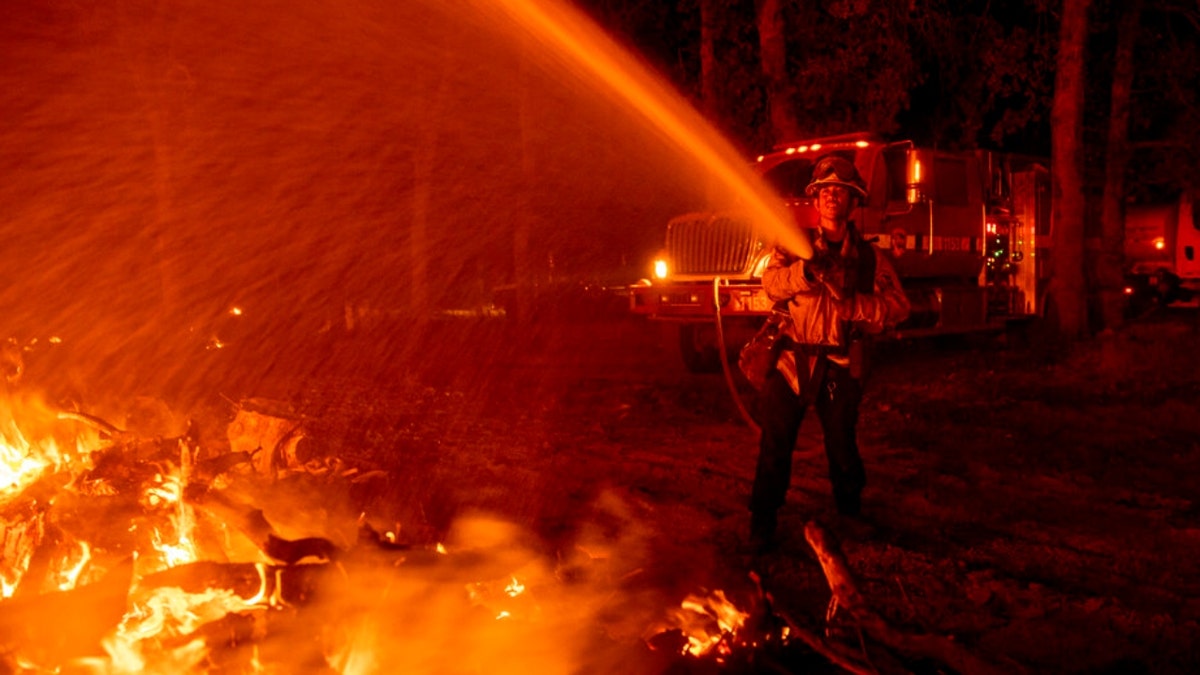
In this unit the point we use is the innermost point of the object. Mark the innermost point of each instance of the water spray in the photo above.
(570, 33)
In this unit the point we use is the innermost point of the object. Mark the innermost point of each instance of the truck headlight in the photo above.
(660, 268)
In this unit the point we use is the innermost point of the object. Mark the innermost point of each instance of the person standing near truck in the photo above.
(845, 293)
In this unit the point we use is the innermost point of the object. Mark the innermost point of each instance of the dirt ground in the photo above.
(1039, 510)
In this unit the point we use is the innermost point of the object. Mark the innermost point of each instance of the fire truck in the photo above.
(1161, 244)
(968, 234)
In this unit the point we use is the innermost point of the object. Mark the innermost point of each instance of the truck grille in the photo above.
(704, 243)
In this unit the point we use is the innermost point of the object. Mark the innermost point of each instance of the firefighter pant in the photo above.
(781, 411)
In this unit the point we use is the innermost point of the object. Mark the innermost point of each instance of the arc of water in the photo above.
(574, 35)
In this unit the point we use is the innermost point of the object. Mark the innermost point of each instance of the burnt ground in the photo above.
(1039, 509)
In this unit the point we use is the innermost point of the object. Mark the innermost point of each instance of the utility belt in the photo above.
(850, 357)
(823, 351)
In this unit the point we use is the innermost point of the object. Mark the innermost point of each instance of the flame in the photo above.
(21, 463)
(506, 598)
(19, 542)
(68, 575)
(709, 623)
(514, 589)
(38, 446)
(136, 646)
(168, 493)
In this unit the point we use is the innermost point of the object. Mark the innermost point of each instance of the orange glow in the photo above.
(1159, 244)
(661, 269)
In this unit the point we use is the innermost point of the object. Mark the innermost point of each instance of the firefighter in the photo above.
(845, 293)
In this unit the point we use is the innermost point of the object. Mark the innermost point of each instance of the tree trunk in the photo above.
(709, 12)
(1110, 266)
(772, 44)
(1066, 126)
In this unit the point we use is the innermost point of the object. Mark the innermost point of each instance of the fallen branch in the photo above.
(847, 596)
(834, 653)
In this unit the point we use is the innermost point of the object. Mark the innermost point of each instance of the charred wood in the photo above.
(292, 551)
(832, 652)
(290, 640)
(369, 536)
(211, 468)
(107, 430)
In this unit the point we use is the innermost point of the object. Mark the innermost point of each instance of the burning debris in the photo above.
(123, 552)
(129, 554)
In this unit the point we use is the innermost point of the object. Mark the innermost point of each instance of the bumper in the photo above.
(694, 301)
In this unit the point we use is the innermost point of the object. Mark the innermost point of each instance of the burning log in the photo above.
(211, 468)
(244, 579)
(293, 585)
(107, 429)
(271, 434)
(846, 596)
(292, 551)
(51, 629)
(251, 522)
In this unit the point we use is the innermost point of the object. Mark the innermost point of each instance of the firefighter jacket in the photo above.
(831, 302)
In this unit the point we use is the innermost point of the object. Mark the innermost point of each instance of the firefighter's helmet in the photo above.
(836, 170)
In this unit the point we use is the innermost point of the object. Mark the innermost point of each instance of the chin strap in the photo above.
(723, 354)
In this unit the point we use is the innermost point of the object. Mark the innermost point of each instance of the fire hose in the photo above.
(724, 356)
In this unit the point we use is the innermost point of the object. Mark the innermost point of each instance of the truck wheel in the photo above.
(697, 346)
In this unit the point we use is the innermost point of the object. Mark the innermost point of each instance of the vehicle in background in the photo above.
(1161, 244)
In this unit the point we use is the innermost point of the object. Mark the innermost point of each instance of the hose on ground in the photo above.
(724, 356)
